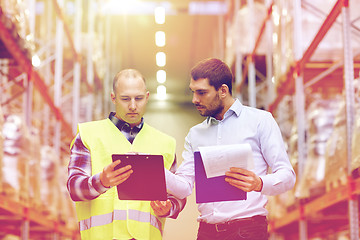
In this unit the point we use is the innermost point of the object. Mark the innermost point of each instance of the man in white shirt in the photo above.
(230, 122)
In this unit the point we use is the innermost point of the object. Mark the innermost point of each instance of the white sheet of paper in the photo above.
(218, 159)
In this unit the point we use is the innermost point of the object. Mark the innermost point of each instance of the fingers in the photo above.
(161, 208)
(242, 179)
(110, 177)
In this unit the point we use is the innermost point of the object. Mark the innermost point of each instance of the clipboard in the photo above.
(214, 189)
(147, 182)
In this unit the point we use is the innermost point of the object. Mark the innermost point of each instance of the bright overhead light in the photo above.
(160, 59)
(161, 76)
(36, 61)
(161, 92)
(160, 38)
(159, 15)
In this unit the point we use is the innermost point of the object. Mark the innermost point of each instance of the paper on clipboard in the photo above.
(218, 159)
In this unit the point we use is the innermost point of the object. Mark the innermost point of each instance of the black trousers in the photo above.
(254, 228)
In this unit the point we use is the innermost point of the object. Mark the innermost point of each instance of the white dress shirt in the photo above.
(241, 124)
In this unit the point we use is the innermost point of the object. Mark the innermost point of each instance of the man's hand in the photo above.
(244, 179)
(161, 208)
(110, 178)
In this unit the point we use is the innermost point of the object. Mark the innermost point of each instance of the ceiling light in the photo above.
(36, 61)
(159, 15)
(161, 92)
(161, 76)
(160, 59)
(160, 38)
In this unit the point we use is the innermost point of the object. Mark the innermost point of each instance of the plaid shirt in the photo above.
(84, 186)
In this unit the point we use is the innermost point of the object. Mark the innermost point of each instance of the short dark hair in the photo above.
(215, 70)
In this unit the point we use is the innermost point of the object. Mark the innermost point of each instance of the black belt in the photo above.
(222, 227)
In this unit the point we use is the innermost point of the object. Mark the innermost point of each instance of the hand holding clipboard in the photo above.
(147, 180)
(112, 175)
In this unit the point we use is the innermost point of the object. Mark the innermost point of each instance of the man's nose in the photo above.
(195, 99)
(132, 104)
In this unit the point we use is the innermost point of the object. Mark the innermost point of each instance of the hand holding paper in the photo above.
(219, 159)
(243, 179)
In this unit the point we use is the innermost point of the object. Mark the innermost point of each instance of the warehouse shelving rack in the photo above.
(326, 213)
(17, 217)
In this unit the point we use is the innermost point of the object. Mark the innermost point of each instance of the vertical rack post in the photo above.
(238, 60)
(269, 56)
(251, 64)
(90, 67)
(107, 83)
(300, 105)
(77, 65)
(350, 106)
(59, 47)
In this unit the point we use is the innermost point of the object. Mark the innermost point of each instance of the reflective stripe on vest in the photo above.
(108, 218)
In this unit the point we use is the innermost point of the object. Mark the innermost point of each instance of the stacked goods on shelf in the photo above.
(34, 169)
(336, 151)
(15, 169)
(279, 205)
(320, 119)
(355, 164)
(282, 41)
(67, 206)
(16, 13)
(50, 189)
(336, 160)
(1, 144)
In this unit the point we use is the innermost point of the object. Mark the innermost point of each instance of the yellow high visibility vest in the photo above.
(106, 217)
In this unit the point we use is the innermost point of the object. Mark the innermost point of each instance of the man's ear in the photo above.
(223, 90)
(112, 95)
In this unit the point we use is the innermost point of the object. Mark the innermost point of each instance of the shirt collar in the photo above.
(124, 126)
(235, 108)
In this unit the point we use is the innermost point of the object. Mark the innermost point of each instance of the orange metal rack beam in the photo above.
(288, 86)
(33, 75)
(35, 216)
(342, 193)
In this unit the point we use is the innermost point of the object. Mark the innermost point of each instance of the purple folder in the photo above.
(213, 189)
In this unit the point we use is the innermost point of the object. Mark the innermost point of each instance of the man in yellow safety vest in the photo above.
(92, 174)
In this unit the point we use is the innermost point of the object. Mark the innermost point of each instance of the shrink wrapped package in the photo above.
(355, 163)
(320, 119)
(15, 170)
(67, 206)
(330, 48)
(17, 11)
(336, 154)
(34, 169)
(49, 191)
(1, 144)
(336, 161)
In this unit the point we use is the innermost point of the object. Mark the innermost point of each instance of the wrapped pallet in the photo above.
(15, 170)
(320, 119)
(355, 164)
(34, 169)
(336, 154)
(2, 120)
(336, 161)
(67, 215)
(49, 181)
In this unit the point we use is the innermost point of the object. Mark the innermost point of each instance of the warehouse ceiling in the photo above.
(192, 34)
